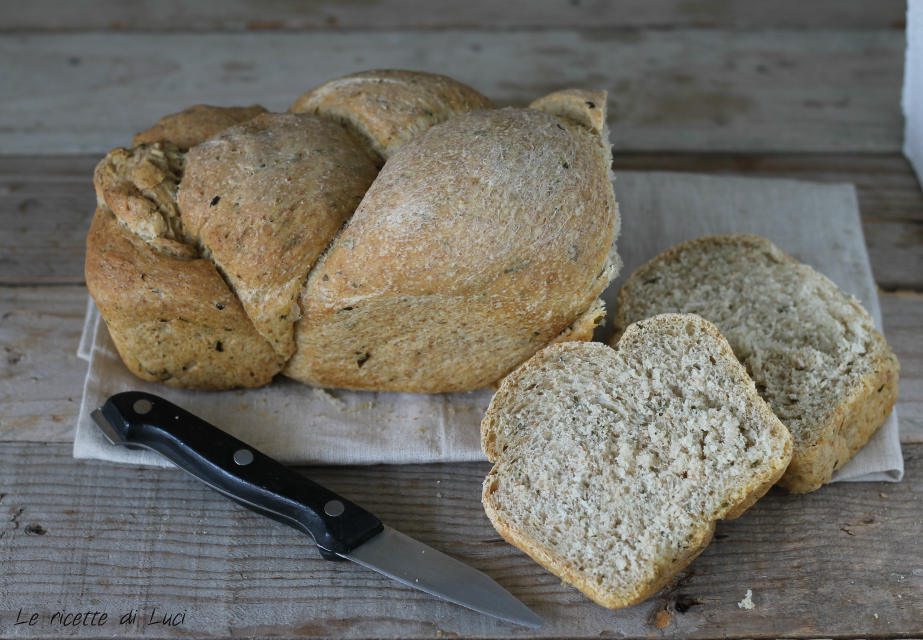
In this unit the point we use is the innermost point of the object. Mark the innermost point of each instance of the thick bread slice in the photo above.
(479, 242)
(387, 108)
(612, 466)
(811, 349)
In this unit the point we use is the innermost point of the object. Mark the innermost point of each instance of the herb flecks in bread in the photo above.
(173, 319)
(266, 198)
(612, 465)
(385, 109)
(263, 199)
(479, 242)
(812, 350)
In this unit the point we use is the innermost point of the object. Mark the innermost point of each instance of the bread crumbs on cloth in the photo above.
(746, 603)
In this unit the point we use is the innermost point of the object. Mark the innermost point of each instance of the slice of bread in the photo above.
(811, 349)
(612, 465)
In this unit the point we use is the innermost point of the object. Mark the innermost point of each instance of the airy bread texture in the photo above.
(611, 466)
(479, 242)
(487, 235)
(811, 349)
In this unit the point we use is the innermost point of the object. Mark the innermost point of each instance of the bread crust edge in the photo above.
(573, 577)
(849, 426)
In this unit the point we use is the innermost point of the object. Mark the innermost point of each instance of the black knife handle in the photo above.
(239, 471)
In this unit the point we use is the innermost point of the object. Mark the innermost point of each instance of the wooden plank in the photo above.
(45, 217)
(46, 203)
(479, 14)
(902, 314)
(42, 379)
(842, 561)
(887, 187)
(896, 254)
(674, 90)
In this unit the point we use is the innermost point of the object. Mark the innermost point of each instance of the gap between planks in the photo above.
(687, 89)
(235, 15)
(42, 376)
(47, 202)
(116, 536)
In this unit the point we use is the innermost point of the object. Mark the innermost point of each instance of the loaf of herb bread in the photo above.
(611, 466)
(230, 243)
(811, 349)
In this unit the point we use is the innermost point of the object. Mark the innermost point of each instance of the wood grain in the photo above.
(887, 187)
(46, 203)
(803, 90)
(96, 536)
(902, 314)
(41, 379)
(479, 14)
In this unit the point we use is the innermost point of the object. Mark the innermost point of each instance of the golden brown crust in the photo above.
(139, 185)
(264, 198)
(849, 426)
(195, 125)
(581, 330)
(586, 108)
(385, 109)
(572, 575)
(265, 254)
(173, 320)
(479, 242)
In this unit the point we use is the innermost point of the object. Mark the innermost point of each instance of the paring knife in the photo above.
(340, 528)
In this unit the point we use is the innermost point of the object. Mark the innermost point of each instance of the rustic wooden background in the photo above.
(794, 88)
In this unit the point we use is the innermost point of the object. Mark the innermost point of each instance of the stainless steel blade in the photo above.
(403, 559)
(105, 427)
(413, 563)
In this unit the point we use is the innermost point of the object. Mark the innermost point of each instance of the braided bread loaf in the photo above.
(393, 232)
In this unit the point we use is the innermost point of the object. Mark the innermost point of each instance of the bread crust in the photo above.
(139, 185)
(195, 125)
(572, 575)
(846, 427)
(265, 236)
(387, 108)
(849, 426)
(263, 199)
(479, 242)
(172, 319)
(494, 446)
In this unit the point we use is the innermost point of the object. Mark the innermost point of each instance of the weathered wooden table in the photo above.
(799, 89)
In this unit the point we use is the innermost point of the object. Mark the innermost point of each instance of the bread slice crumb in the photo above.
(612, 465)
(811, 349)
(746, 603)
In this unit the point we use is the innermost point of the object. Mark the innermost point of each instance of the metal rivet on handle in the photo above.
(243, 456)
(334, 508)
(142, 406)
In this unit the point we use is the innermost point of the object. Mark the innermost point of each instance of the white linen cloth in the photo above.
(816, 223)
